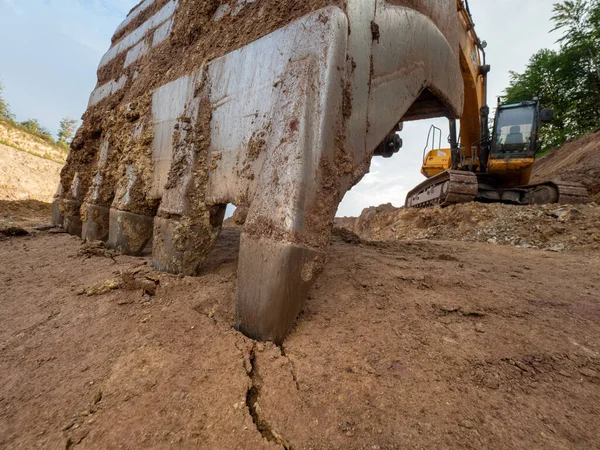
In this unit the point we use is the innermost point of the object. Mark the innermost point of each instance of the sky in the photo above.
(50, 50)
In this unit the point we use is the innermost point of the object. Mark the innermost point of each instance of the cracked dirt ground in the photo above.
(401, 345)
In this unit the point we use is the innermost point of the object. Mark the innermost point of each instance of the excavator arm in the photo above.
(471, 151)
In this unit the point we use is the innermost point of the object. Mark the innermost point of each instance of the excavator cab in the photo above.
(514, 142)
(515, 131)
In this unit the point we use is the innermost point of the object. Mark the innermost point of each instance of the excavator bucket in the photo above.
(276, 106)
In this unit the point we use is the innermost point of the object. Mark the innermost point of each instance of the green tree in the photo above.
(5, 113)
(66, 131)
(32, 126)
(579, 21)
(567, 80)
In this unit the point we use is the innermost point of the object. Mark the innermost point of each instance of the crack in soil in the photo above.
(292, 368)
(254, 409)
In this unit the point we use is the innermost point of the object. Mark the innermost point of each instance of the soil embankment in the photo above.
(577, 161)
(547, 227)
(24, 176)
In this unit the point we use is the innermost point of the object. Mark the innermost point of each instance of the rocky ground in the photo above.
(547, 227)
(405, 344)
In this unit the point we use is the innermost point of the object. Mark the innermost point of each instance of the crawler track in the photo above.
(571, 193)
(447, 188)
(453, 186)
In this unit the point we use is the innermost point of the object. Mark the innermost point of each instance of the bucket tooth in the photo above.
(57, 216)
(71, 216)
(96, 208)
(274, 279)
(181, 244)
(131, 217)
(129, 233)
(96, 224)
(69, 206)
(186, 228)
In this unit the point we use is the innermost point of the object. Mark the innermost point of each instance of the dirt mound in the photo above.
(577, 161)
(26, 213)
(551, 227)
(393, 350)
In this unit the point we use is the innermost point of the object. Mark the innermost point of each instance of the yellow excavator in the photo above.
(483, 167)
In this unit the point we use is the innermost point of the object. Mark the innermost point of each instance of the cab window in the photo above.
(514, 130)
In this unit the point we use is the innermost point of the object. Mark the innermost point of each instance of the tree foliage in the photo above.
(5, 113)
(66, 131)
(567, 80)
(32, 126)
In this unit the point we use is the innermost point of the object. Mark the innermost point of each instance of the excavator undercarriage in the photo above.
(454, 186)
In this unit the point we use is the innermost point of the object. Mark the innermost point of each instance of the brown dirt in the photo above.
(413, 344)
(577, 161)
(26, 213)
(196, 39)
(551, 227)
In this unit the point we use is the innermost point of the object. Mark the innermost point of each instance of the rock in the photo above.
(561, 214)
(45, 227)
(57, 231)
(125, 301)
(479, 327)
(466, 424)
(556, 248)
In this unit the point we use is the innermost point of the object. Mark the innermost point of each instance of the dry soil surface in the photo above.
(412, 344)
(577, 161)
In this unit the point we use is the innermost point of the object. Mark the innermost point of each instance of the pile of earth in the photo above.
(576, 161)
(549, 227)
